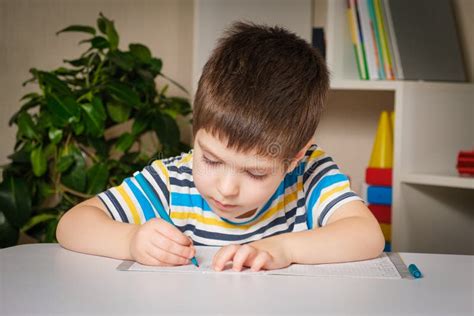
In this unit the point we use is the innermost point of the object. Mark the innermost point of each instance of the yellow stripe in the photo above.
(387, 231)
(163, 169)
(217, 222)
(331, 192)
(315, 154)
(131, 206)
(185, 159)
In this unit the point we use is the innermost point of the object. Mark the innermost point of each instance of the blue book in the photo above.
(379, 195)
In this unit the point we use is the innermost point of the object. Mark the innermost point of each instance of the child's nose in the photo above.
(228, 186)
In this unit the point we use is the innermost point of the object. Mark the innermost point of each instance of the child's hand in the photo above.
(248, 256)
(158, 243)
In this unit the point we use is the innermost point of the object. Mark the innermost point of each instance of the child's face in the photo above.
(242, 182)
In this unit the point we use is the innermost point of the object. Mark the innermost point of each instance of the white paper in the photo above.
(379, 268)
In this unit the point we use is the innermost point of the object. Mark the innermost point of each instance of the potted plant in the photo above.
(64, 151)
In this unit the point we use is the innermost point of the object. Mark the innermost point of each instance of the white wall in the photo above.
(27, 39)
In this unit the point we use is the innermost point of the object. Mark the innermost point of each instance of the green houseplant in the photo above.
(62, 153)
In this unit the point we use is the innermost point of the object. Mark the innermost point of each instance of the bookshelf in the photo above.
(433, 207)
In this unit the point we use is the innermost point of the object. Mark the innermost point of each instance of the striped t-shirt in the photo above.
(306, 198)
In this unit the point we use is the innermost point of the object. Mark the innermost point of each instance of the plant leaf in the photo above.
(78, 28)
(123, 93)
(140, 123)
(8, 234)
(26, 126)
(50, 151)
(37, 219)
(121, 59)
(124, 142)
(15, 200)
(50, 80)
(156, 65)
(98, 42)
(167, 130)
(55, 135)
(75, 178)
(64, 163)
(97, 177)
(99, 107)
(107, 27)
(50, 234)
(94, 120)
(38, 161)
(79, 62)
(65, 110)
(118, 112)
(141, 52)
(21, 156)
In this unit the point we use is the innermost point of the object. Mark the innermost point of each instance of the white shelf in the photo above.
(433, 123)
(452, 181)
(342, 84)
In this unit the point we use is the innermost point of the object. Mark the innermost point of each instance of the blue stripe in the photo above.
(151, 194)
(325, 182)
(189, 200)
(160, 183)
(117, 205)
(146, 207)
(331, 205)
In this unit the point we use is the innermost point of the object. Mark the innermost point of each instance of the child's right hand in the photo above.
(159, 243)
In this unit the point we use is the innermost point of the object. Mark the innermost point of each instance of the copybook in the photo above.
(386, 266)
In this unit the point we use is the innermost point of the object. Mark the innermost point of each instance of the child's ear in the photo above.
(299, 156)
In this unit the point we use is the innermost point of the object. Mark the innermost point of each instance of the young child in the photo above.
(254, 183)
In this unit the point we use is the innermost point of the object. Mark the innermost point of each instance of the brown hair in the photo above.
(263, 89)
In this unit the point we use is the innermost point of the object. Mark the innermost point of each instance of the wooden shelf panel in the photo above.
(452, 181)
(342, 84)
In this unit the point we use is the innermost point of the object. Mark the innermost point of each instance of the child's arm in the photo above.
(89, 228)
(352, 233)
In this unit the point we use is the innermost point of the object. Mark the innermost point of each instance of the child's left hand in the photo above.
(248, 256)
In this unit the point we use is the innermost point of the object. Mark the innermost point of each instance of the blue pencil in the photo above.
(156, 203)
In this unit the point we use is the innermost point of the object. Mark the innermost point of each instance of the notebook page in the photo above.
(380, 268)
(204, 256)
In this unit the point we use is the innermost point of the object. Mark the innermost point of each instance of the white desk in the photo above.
(47, 279)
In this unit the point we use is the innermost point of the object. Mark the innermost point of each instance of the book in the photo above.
(369, 40)
(375, 27)
(355, 37)
(391, 41)
(426, 39)
(387, 62)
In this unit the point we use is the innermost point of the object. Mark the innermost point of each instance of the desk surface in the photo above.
(47, 279)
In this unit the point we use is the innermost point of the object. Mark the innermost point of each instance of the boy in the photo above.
(254, 184)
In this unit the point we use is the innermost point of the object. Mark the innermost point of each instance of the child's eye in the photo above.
(210, 162)
(257, 177)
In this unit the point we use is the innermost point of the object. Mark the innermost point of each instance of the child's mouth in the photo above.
(223, 206)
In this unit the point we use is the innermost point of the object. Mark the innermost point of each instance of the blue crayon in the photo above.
(415, 271)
